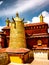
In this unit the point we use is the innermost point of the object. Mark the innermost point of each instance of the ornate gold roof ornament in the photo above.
(17, 15)
(7, 21)
(14, 22)
(13, 19)
(41, 18)
(17, 18)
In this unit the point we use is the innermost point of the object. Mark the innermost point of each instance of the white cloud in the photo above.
(35, 20)
(46, 20)
(1, 28)
(45, 14)
(1, 2)
(22, 6)
(28, 22)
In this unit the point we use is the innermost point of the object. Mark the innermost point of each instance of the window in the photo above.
(37, 27)
(39, 42)
(43, 26)
(31, 27)
(40, 27)
(34, 27)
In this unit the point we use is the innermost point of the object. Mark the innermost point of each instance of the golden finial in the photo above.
(17, 18)
(14, 22)
(7, 21)
(13, 19)
(41, 18)
(17, 15)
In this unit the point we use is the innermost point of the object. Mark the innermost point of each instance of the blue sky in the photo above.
(26, 8)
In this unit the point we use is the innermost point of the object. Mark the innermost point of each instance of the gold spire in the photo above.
(7, 21)
(41, 18)
(17, 18)
(17, 15)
